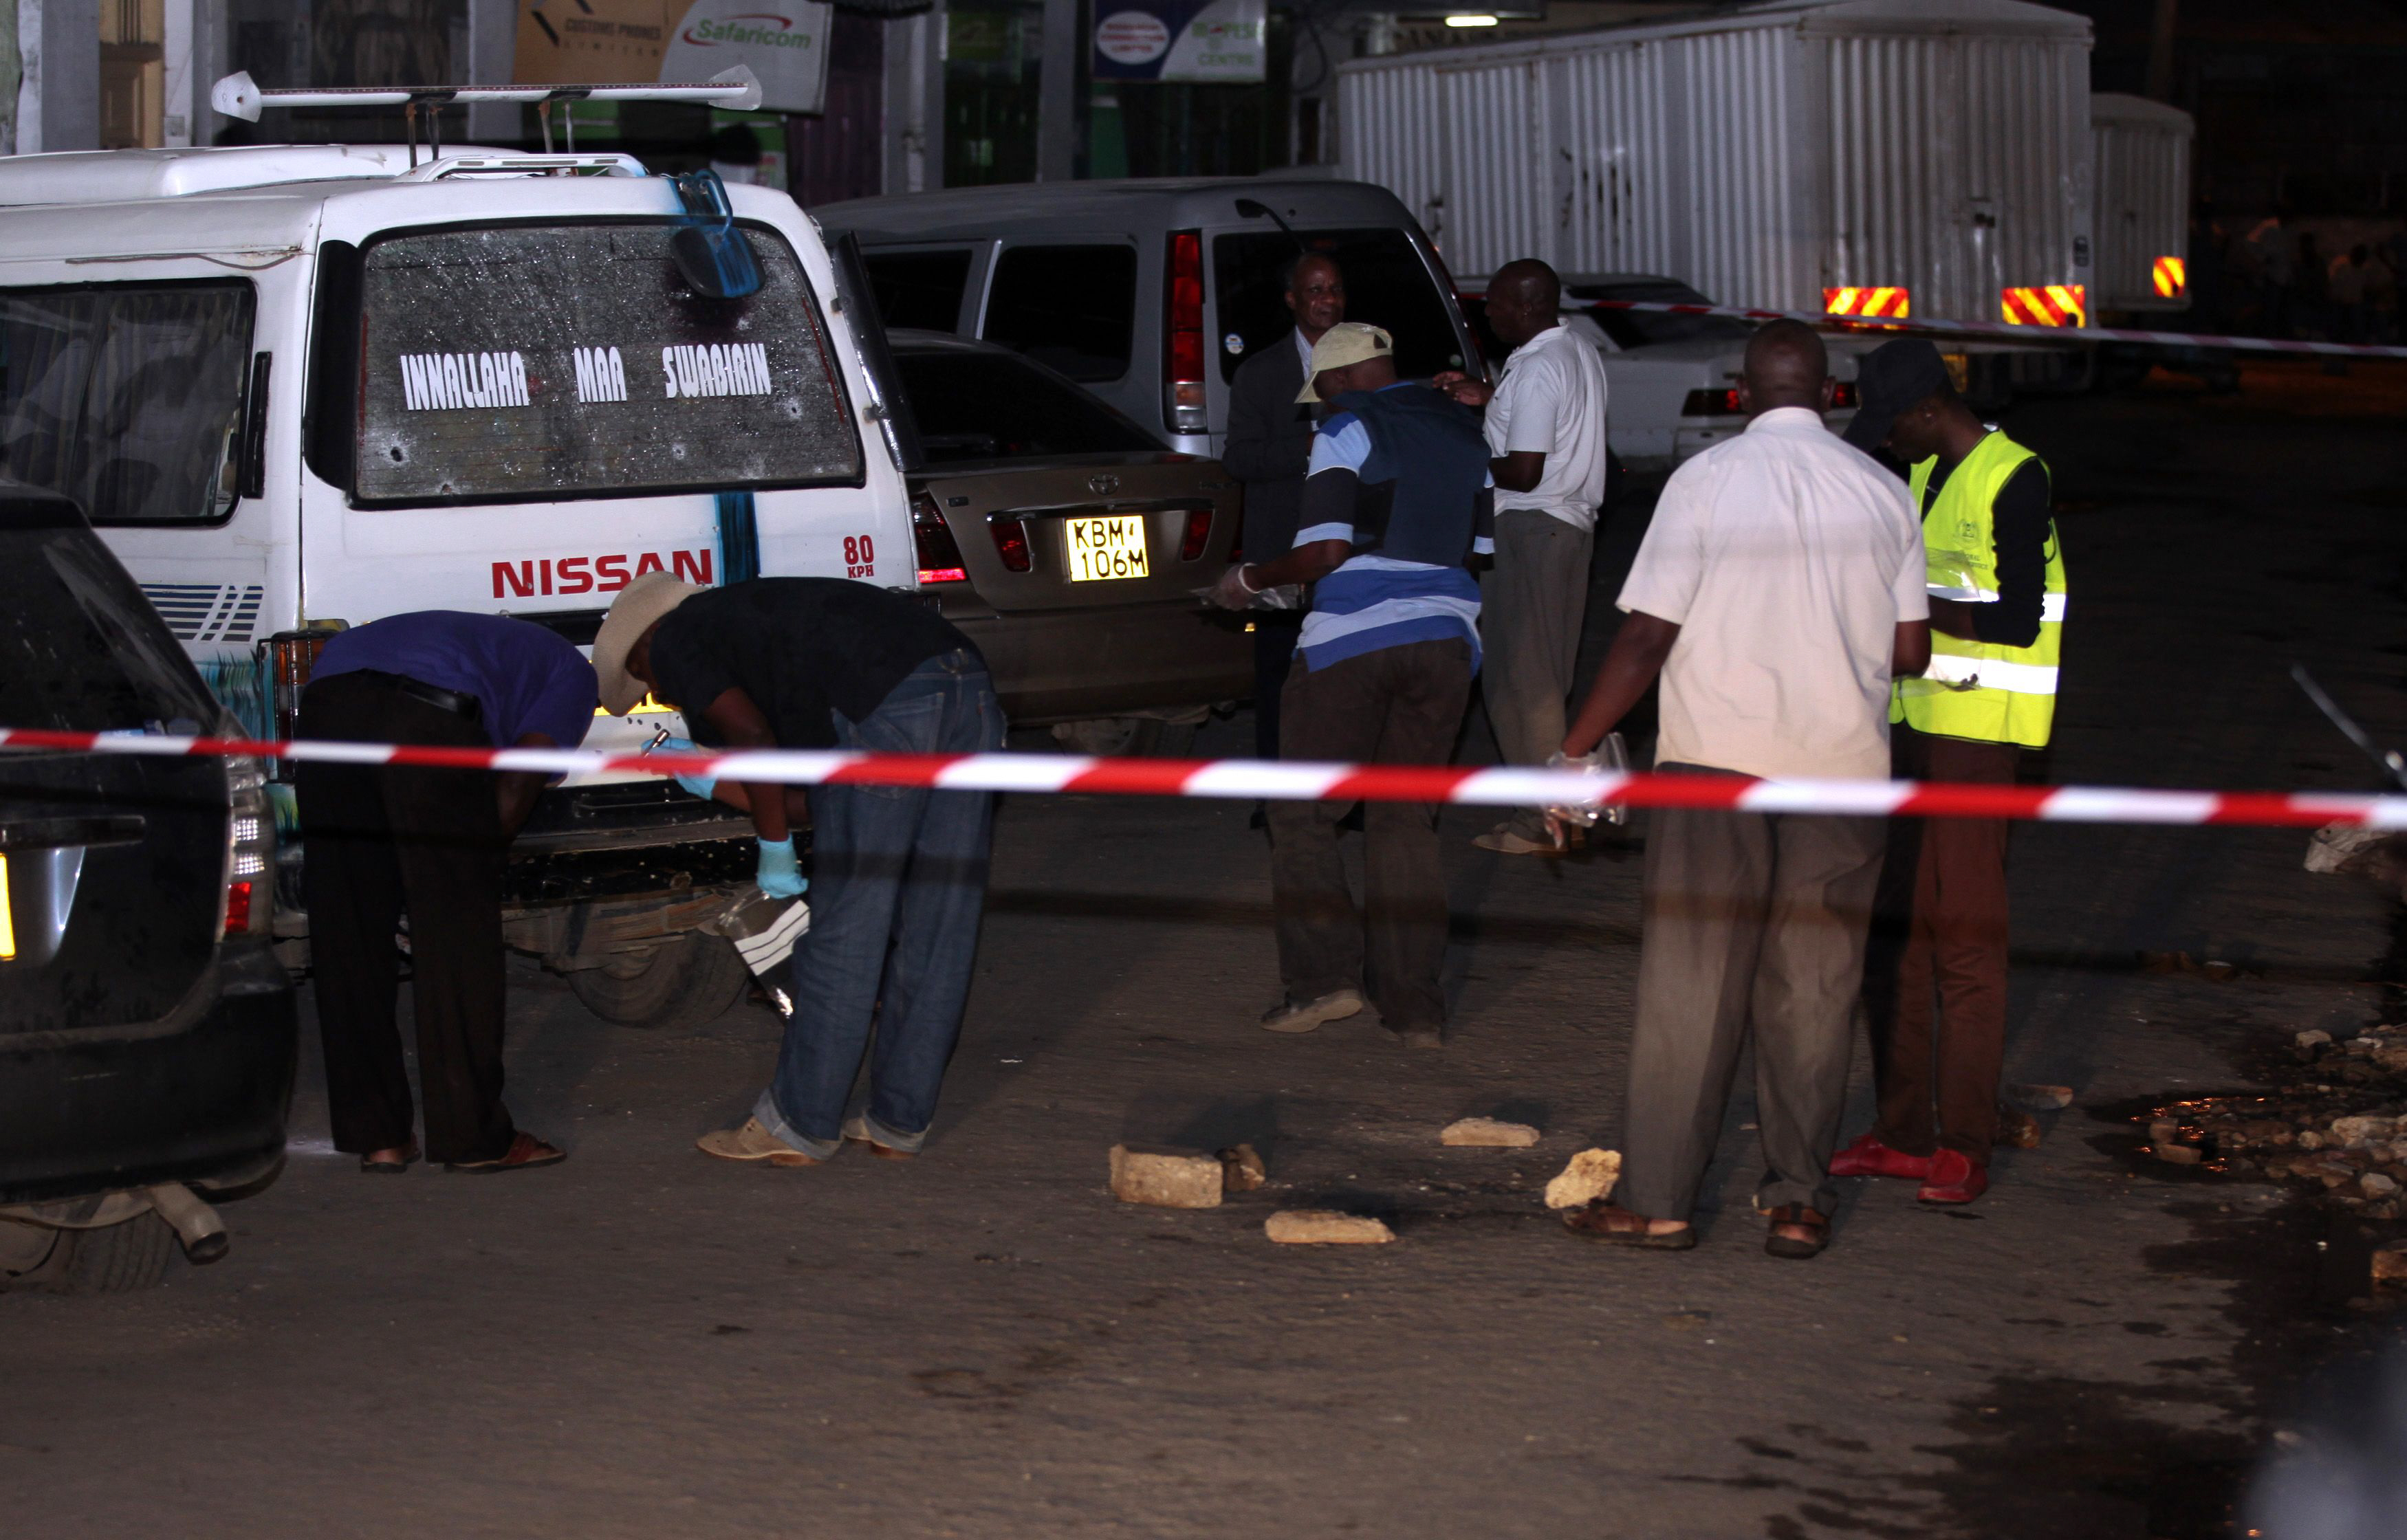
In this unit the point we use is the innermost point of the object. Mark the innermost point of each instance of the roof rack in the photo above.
(238, 96)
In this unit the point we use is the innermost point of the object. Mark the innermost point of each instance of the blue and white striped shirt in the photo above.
(1372, 602)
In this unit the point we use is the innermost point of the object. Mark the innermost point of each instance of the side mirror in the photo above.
(710, 253)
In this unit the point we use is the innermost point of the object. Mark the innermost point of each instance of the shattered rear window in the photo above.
(529, 361)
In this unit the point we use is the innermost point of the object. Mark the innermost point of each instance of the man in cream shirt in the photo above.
(1546, 436)
(1779, 587)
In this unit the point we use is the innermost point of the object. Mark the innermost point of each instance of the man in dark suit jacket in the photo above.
(1269, 443)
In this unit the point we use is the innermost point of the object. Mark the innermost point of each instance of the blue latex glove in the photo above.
(780, 875)
(701, 786)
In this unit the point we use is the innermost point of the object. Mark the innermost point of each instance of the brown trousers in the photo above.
(1754, 930)
(1935, 977)
(1399, 705)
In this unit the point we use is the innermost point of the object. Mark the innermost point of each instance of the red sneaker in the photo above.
(1869, 1157)
(1954, 1179)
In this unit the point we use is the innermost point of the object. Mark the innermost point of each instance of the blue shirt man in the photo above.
(1396, 500)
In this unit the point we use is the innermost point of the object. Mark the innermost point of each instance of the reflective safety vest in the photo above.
(1977, 689)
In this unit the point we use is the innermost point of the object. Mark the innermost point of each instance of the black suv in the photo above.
(147, 1031)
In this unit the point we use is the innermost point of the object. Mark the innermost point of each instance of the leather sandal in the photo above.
(1799, 1216)
(525, 1153)
(1601, 1220)
(410, 1157)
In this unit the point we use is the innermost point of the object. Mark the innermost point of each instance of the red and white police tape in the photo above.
(2064, 337)
(1506, 786)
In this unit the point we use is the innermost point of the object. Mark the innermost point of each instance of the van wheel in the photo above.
(116, 1260)
(688, 982)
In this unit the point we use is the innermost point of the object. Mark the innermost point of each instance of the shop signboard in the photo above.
(1180, 41)
(586, 42)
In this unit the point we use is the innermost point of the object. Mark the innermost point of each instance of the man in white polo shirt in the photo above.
(1546, 432)
(1779, 588)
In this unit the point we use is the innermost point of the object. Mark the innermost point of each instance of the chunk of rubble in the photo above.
(2390, 1266)
(2311, 1038)
(1489, 1134)
(1241, 1169)
(2040, 1098)
(1165, 1181)
(1325, 1227)
(1590, 1175)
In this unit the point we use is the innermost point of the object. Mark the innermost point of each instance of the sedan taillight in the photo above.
(1198, 535)
(940, 557)
(1713, 404)
(1010, 542)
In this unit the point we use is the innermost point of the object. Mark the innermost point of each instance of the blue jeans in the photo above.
(898, 881)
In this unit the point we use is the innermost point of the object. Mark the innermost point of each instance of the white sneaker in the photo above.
(1304, 1015)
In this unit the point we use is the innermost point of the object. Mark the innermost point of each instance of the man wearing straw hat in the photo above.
(825, 663)
(1397, 497)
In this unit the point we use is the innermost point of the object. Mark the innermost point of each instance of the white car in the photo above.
(1673, 379)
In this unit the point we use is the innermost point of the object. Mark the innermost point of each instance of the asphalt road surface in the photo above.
(982, 1343)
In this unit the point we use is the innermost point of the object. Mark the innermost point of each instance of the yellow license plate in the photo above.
(1101, 549)
(8, 918)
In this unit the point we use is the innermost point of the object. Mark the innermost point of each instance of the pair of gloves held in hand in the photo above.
(779, 874)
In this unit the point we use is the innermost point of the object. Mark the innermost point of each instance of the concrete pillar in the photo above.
(492, 55)
(58, 100)
(1057, 91)
(915, 103)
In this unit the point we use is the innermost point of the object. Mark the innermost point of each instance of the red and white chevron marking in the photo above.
(1249, 779)
(2063, 335)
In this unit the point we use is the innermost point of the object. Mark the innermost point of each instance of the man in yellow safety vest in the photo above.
(1935, 979)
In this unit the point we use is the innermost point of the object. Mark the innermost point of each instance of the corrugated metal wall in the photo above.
(1615, 202)
(1499, 167)
(1388, 133)
(1959, 164)
(1758, 161)
(1740, 171)
(2142, 169)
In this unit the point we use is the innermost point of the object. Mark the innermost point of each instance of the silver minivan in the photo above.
(1149, 292)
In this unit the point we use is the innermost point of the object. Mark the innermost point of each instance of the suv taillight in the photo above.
(1182, 343)
(1842, 397)
(940, 557)
(1712, 403)
(1198, 535)
(251, 850)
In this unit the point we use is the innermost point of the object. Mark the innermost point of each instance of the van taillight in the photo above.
(940, 557)
(290, 657)
(237, 910)
(1198, 534)
(1010, 543)
(1182, 351)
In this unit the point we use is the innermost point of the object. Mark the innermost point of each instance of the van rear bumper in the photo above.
(91, 1115)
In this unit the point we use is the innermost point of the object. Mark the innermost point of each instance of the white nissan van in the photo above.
(300, 388)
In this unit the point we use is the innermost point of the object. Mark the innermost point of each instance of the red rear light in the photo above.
(291, 656)
(1198, 534)
(1713, 404)
(238, 909)
(1182, 351)
(1844, 395)
(1011, 542)
(940, 557)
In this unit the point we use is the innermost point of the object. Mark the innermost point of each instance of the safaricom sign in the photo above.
(784, 42)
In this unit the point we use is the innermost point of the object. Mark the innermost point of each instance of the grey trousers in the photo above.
(1399, 705)
(1753, 923)
(1531, 603)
